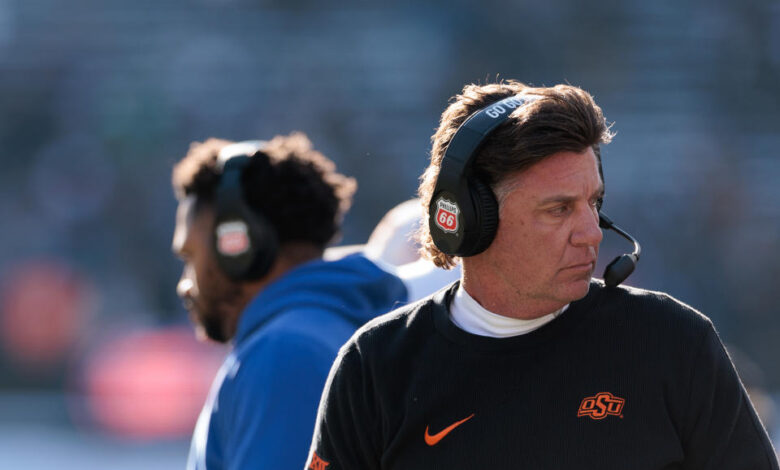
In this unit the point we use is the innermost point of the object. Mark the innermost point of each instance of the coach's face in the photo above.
(548, 236)
(208, 294)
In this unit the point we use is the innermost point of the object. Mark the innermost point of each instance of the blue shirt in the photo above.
(262, 405)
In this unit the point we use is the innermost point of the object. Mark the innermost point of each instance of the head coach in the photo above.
(528, 361)
(253, 220)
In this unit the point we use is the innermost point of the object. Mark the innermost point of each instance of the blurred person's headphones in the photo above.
(463, 212)
(245, 243)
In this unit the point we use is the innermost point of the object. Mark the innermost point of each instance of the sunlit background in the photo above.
(99, 98)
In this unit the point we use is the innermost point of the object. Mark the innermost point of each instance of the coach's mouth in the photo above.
(588, 266)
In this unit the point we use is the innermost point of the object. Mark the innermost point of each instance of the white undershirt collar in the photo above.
(470, 316)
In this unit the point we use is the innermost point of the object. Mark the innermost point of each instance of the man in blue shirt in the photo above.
(251, 226)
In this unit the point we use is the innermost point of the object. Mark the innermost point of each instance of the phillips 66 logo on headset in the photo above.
(447, 215)
(232, 238)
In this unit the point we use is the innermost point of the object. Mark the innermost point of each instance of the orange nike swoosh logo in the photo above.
(433, 440)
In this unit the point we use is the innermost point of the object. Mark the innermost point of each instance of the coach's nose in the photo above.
(586, 230)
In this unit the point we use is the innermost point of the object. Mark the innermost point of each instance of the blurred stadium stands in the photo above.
(98, 99)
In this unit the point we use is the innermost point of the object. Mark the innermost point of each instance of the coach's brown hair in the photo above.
(295, 187)
(563, 118)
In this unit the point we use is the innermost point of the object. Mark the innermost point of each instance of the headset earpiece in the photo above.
(463, 213)
(244, 242)
(487, 211)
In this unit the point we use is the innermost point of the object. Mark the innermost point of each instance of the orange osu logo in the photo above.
(601, 405)
(317, 463)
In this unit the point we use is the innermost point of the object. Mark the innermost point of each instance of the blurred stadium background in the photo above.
(98, 99)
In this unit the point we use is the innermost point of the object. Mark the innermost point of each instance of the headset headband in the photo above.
(231, 161)
(244, 148)
(464, 146)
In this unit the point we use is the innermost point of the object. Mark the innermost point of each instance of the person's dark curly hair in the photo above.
(296, 188)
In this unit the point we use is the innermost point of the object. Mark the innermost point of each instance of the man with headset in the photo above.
(252, 223)
(529, 362)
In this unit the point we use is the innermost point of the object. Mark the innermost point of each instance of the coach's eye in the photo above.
(563, 209)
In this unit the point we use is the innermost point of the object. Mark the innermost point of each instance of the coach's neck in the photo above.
(500, 295)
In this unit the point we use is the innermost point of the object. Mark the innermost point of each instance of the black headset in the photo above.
(245, 243)
(463, 212)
